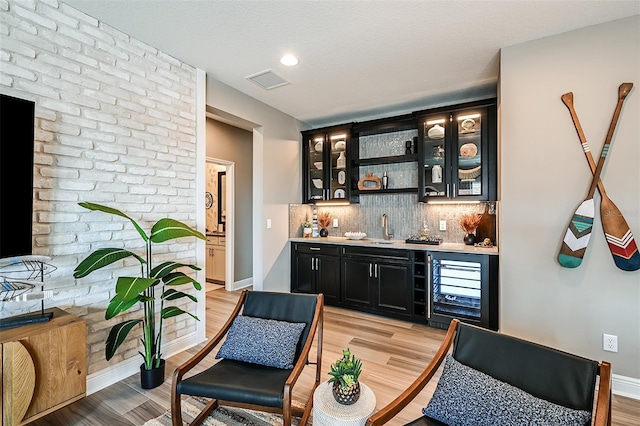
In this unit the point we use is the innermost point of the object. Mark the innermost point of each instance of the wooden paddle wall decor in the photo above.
(619, 238)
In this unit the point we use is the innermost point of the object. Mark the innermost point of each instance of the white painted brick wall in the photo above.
(115, 124)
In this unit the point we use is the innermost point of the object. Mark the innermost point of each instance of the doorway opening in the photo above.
(219, 223)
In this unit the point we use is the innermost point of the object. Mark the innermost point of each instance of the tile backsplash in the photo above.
(405, 217)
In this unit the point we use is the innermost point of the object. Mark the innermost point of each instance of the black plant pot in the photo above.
(346, 396)
(153, 378)
(324, 232)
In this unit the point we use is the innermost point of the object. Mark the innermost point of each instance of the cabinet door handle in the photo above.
(428, 295)
(375, 270)
(314, 248)
(317, 264)
(454, 190)
(370, 273)
(447, 190)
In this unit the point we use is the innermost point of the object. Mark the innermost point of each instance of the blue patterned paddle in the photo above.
(576, 238)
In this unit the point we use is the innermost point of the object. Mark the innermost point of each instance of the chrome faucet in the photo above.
(385, 226)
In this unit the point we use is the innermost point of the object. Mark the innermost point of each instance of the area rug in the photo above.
(222, 416)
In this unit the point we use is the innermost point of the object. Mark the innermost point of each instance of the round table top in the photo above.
(328, 411)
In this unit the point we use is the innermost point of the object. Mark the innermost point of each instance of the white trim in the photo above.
(108, 376)
(625, 386)
(239, 285)
(258, 208)
(230, 225)
(200, 184)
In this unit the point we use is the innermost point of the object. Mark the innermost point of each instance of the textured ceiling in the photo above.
(358, 59)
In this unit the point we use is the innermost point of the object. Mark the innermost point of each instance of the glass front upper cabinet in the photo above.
(326, 165)
(458, 154)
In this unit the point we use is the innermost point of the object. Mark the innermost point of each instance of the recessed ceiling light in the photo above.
(289, 60)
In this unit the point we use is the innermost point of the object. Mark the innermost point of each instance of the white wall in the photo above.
(545, 176)
(276, 176)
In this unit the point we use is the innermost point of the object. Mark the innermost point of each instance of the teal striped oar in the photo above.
(620, 240)
(576, 238)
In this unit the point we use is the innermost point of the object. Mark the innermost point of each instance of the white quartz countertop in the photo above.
(399, 244)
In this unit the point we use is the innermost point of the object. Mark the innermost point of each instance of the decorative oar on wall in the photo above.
(621, 243)
(578, 232)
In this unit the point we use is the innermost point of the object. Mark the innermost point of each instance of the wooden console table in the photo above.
(43, 367)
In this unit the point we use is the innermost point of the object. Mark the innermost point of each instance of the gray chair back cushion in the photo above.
(283, 307)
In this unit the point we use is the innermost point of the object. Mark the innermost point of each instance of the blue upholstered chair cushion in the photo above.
(465, 396)
(262, 341)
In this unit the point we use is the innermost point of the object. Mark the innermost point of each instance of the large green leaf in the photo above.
(116, 306)
(110, 210)
(117, 335)
(172, 311)
(165, 268)
(171, 294)
(128, 288)
(101, 258)
(168, 229)
(178, 278)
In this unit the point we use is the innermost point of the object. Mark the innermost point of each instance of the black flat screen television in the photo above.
(16, 175)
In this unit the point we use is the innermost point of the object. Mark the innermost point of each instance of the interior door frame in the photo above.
(230, 167)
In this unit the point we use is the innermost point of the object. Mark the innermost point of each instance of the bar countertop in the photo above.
(399, 244)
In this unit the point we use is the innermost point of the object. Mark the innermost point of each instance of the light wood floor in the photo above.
(393, 354)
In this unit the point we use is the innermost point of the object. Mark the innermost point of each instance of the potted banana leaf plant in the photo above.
(158, 280)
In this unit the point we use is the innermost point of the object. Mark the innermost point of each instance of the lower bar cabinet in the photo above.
(421, 286)
(315, 268)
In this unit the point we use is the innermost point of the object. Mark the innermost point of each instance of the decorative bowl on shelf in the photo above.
(468, 125)
(318, 165)
(436, 132)
(468, 150)
(317, 183)
(340, 145)
(355, 235)
(469, 174)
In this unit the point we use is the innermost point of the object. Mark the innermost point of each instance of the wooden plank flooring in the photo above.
(393, 354)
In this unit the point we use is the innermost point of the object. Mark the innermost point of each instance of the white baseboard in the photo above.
(625, 386)
(238, 285)
(108, 376)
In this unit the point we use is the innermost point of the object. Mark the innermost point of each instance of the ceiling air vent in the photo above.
(267, 79)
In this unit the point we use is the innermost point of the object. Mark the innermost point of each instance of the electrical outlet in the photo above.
(610, 343)
(268, 223)
(335, 222)
(443, 225)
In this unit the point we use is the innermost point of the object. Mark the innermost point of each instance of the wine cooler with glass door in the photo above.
(462, 286)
